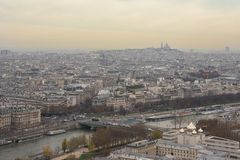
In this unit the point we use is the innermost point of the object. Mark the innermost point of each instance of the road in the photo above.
(76, 153)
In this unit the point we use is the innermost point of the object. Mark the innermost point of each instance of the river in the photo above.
(12, 151)
(185, 121)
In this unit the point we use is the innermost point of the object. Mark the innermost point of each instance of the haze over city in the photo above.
(112, 24)
(119, 80)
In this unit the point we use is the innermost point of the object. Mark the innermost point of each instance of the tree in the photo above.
(73, 143)
(104, 140)
(139, 106)
(179, 120)
(88, 102)
(91, 145)
(57, 150)
(220, 128)
(139, 130)
(64, 145)
(82, 140)
(23, 158)
(122, 111)
(86, 156)
(156, 134)
(47, 152)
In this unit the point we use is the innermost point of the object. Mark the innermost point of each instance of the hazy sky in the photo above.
(98, 24)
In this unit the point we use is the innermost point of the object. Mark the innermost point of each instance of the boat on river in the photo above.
(56, 132)
(5, 142)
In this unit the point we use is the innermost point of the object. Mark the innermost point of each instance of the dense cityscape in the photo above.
(119, 80)
(153, 103)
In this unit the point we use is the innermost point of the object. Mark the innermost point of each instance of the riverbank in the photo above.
(12, 151)
(37, 133)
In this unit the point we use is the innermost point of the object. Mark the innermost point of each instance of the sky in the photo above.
(114, 24)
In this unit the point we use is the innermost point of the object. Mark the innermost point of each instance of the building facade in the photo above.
(143, 147)
(5, 120)
(170, 135)
(116, 102)
(179, 151)
(231, 147)
(25, 117)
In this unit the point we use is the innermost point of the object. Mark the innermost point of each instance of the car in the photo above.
(95, 119)
(65, 120)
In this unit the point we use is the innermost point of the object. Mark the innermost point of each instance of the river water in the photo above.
(10, 152)
(185, 121)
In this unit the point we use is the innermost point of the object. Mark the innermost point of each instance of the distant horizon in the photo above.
(115, 24)
(217, 50)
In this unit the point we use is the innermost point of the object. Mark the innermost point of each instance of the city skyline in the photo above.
(202, 24)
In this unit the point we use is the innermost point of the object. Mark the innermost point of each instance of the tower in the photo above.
(227, 49)
(162, 45)
(167, 46)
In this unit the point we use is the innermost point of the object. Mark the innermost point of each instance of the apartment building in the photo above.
(25, 117)
(5, 120)
(116, 102)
